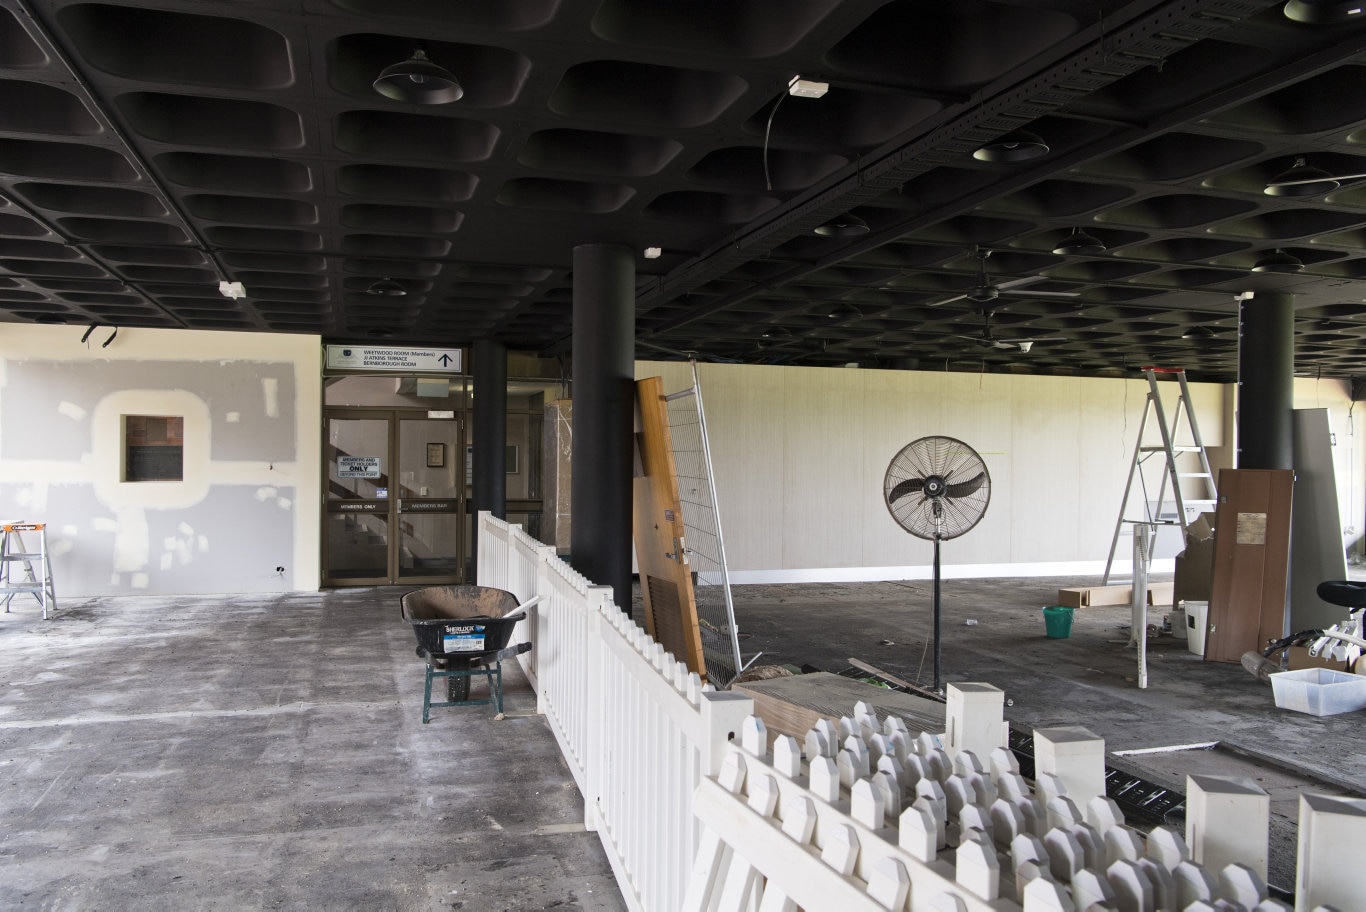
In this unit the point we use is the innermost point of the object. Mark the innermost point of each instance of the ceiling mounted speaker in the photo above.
(419, 81)
(1079, 243)
(387, 288)
(1015, 146)
(1280, 261)
(843, 226)
(1301, 179)
(1323, 11)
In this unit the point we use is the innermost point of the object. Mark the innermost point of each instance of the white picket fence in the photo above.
(697, 811)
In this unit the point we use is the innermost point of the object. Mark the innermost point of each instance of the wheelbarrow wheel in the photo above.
(458, 687)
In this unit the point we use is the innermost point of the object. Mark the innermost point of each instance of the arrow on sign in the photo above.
(445, 360)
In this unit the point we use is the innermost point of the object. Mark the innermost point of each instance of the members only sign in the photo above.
(393, 360)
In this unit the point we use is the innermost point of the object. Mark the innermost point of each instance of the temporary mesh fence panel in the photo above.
(705, 548)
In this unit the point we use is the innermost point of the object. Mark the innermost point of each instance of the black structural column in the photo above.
(490, 431)
(1266, 376)
(604, 416)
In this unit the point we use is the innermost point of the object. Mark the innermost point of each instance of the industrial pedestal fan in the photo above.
(937, 488)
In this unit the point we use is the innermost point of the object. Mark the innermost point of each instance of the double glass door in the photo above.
(395, 497)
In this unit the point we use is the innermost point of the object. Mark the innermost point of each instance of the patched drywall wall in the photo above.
(248, 501)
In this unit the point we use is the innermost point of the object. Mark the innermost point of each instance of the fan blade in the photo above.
(1316, 180)
(909, 486)
(1041, 294)
(967, 488)
(941, 302)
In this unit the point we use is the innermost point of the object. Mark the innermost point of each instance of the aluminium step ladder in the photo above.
(1154, 511)
(36, 576)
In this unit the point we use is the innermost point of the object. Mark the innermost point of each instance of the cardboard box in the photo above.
(1298, 658)
(1095, 596)
(1161, 593)
(1195, 565)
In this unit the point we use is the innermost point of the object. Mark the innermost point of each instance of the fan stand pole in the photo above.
(936, 613)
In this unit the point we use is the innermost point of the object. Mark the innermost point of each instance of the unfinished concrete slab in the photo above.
(268, 752)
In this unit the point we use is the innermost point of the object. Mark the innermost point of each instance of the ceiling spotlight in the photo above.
(1079, 243)
(776, 332)
(1280, 261)
(232, 290)
(843, 226)
(807, 88)
(1015, 146)
(1198, 333)
(419, 81)
(387, 288)
(653, 253)
(844, 311)
(1301, 179)
(1323, 11)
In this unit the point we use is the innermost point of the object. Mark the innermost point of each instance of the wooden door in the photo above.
(661, 547)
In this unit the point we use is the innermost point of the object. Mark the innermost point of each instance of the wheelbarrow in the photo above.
(463, 632)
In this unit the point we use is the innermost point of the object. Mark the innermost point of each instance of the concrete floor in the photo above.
(255, 752)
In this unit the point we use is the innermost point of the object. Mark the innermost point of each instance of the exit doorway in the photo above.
(395, 501)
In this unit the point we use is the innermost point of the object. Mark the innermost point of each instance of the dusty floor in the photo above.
(1086, 679)
(268, 753)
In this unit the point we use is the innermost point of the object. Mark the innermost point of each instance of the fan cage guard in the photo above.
(952, 493)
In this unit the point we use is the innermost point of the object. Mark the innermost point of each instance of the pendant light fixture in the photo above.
(387, 288)
(1015, 146)
(1079, 243)
(1319, 12)
(1280, 261)
(843, 226)
(1301, 179)
(419, 81)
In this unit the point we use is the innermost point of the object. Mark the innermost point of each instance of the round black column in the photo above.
(488, 480)
(1266, 376)
(490, 427)
(604, 416)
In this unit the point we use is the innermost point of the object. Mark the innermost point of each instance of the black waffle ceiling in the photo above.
(149, 151)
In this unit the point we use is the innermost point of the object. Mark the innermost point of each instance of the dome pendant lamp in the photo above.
(1015, 146)
(419, 81)
(1318, 12)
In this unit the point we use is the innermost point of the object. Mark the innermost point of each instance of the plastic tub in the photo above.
(1319, 691)
(1058, 621)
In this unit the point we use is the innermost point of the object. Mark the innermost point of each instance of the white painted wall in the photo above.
(800, 455)
(250, 497)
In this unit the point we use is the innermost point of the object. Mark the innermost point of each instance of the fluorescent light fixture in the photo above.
(653, 253)
(232, 290)
(807, 88)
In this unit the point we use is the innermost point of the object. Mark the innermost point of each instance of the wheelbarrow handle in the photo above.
(531, 602)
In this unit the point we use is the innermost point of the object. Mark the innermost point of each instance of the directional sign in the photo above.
(394, 360)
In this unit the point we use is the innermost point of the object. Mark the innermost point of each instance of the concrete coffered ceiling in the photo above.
(149, 151)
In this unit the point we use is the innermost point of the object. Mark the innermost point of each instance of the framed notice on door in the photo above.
(436, 455)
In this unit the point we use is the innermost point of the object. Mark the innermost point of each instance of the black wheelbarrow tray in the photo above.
(463, 632)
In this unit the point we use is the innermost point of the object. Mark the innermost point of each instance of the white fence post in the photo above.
(976, 720)
(1075, 756)
(1332, 833)
(1226, 821)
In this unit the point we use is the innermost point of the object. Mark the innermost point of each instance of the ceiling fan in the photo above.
(1303, 179)
(987, 291)
(987, 339)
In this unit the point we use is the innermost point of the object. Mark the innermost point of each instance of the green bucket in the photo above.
(1058, 621)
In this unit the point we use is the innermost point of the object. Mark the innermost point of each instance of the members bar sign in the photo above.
(393, 360)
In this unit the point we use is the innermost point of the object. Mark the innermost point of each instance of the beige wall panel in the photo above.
(825, 478)
(1349, 456)
(800, 455)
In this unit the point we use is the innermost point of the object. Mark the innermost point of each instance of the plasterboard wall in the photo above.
(249, 501)
(800, 455)
(1349, 454)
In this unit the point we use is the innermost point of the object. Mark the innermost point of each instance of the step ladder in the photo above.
(1153, 511)
(22, 570)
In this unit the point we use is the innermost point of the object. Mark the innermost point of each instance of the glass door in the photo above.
(431, 473)
(394, 499)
